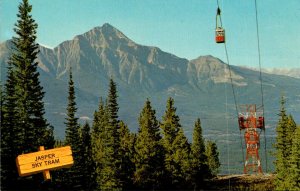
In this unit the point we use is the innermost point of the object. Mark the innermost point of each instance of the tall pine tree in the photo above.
(199, 158)
(290, 130)
(213, 160)
(98, 136)
(24, 126)
(149, 152)
(127, 141)
(12, 134)
(283, 148)
(294, 171)
(182, 170)
(73, 177)
(28, 89)
(111, 168)
(86, 162)
(177, 148)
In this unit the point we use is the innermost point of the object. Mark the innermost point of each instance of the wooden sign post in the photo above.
(44, 160)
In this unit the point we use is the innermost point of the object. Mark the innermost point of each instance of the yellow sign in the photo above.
(43, 160)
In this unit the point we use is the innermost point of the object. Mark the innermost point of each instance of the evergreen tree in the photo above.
(127, 141)
(1, 103)
(176, 147)
(49, 137)
(111, 167)
(182, 169)
(11, 134)
(58, 143)
(86, 156)
(73, 175)
(24, 127)
(98, 137)
(290, 144)
(199, 158)
(149, 154)
(212, 155)
(28, 90)
(112, 105)
(57, 176)
(282, 152)
(290, 130)
(287, 152)
(294, 171)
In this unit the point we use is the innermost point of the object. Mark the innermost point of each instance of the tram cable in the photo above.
(261, 83)
(229, 69)
(220, 38)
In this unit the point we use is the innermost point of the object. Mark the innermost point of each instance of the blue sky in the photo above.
(181, 27)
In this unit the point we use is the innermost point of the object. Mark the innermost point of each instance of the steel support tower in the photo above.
(251, 120)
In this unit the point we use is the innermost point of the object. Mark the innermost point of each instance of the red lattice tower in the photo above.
(251, 120)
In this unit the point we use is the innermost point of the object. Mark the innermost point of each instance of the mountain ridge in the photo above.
(291, 72)
(145, 71)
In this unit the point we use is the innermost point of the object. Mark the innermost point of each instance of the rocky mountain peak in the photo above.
(208, 61)
(209, 68)
(107, 36)
(109, 30)
(108, 26)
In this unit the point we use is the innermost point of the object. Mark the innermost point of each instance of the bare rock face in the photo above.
(210, 69)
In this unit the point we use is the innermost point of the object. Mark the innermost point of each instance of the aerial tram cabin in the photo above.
(220, 35)
(220, 31)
